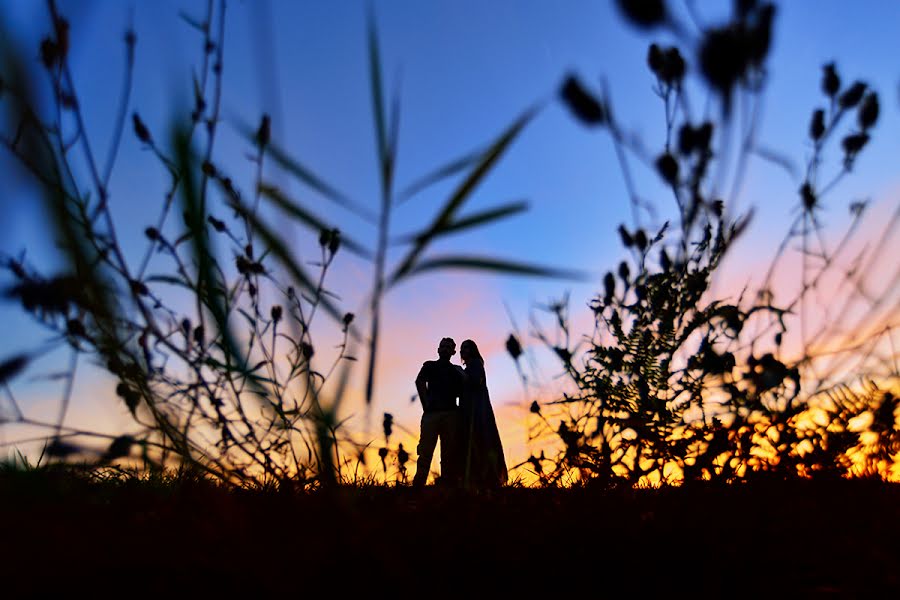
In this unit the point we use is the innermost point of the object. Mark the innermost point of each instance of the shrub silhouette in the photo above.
(676, 385)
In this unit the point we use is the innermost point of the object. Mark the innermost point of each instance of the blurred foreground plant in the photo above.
(677, 384)
(213, 357)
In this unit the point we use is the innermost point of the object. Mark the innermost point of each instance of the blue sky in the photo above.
(465, 69)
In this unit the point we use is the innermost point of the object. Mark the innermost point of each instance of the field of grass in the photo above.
(62, 534)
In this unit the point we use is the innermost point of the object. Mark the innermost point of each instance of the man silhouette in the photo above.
(439, 384)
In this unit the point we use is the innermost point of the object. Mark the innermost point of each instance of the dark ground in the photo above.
(773, 539)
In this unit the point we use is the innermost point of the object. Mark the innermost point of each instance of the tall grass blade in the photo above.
(306, 175)
(305, 217)
(445, 217)
(207, 291)
(474, 220)
(506, 267)
(443, 172)
(385, 156)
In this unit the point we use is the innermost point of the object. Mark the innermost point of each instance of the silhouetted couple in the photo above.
(471, 451)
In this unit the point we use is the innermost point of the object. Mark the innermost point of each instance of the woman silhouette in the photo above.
(484, 465)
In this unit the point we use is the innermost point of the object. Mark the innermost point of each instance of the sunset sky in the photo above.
(465, 69)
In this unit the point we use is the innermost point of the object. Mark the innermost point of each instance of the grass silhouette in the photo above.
(767, 537)
(234, 386)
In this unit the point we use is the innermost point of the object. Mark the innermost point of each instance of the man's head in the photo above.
(447, 348)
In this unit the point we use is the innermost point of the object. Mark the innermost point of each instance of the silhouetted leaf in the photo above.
(448, 170)
(12, 367)
(385, 151)
(191, 21)
(309, 219)
(776, 158)
(306, 175)
(474, 220)
(393, 134)
(462, 193)
(170, 279)
(497, 265)
(60, 449)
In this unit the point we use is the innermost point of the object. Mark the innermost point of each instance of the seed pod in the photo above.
(76, 328)
(138, 288)
(831, 83)
(624, 272)
(853, 95)
(686, 139)
(609, 284)
(583, 105)
(645, 14)
(626, 238)
(640, 239)
(854, 143)
(664, 261)
(817, 126)
(49, 53)
(513, 347)
(808, 196)
(674, 69)
(655, 59)
(335, 242)
(140, 130)
(868, 112)
(668, 168)
(216, 223)
(703, 135)
(264, 132)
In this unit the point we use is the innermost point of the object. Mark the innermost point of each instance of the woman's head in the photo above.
(468, 351)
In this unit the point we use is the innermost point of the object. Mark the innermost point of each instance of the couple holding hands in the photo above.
(471, 451)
